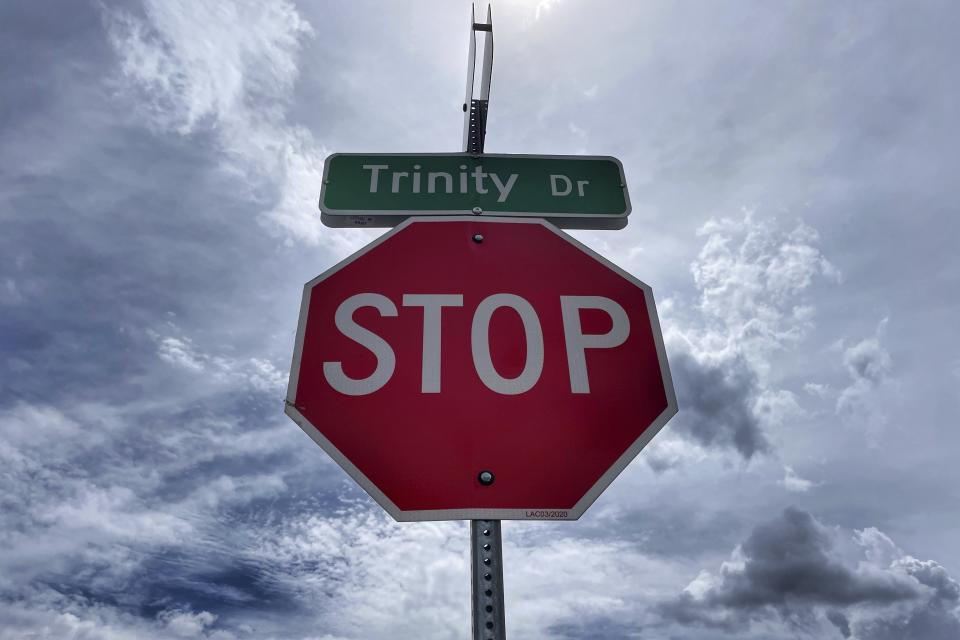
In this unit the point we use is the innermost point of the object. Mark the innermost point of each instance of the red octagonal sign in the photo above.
(479, 368)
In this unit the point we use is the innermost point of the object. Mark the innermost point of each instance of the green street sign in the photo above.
(383, 189)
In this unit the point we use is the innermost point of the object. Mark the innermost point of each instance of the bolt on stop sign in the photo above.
(479, 368)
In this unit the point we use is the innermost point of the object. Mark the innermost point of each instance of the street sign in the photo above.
(479, 368)
(381, 190)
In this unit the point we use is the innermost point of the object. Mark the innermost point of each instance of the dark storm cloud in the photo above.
(790, 559)
(790, 568)
(717, 403)
(786, 566)
(840, 621)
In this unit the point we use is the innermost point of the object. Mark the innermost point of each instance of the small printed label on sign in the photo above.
(545, 514)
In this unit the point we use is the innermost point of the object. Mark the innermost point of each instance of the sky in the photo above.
(788, 164)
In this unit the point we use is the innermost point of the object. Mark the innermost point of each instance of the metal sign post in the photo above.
(486, 554)
(486, 587)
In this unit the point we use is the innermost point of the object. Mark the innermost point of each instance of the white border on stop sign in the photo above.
(546, 512)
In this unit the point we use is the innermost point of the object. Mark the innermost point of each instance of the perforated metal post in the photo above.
(486, 565)
(475, 106)
(486, 557)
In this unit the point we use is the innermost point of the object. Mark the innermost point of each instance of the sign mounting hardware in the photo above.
(475, 109)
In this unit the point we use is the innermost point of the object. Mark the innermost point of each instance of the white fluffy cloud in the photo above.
(49, 615)
(752, 277)
(259, 373)
(793, 482)
(379, 571)
(753, 281)
(229, 69)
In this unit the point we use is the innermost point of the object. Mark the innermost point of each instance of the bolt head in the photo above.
(478, 238)
(477, 211)
(485, 478)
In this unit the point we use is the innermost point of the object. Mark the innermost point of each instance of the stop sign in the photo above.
(479, 368)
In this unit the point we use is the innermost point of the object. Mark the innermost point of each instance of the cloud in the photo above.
(752, 280)
(816, 389)
(228, 69)
(666, 453)
(796, 570)
(937, 617)
(362, 561)
(868, 361)
(752, 277)
(112, 513)
(869, 365)
(578, 586)
(112, 509)
(259, 373)
(717, 396)
(10, 293)
(186, 624)
(840, 621)
(179, 352)
(789, 560)
(49, 615)
(559, 584)
(792, 482)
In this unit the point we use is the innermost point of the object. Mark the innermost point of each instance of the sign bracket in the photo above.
(475, 107)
